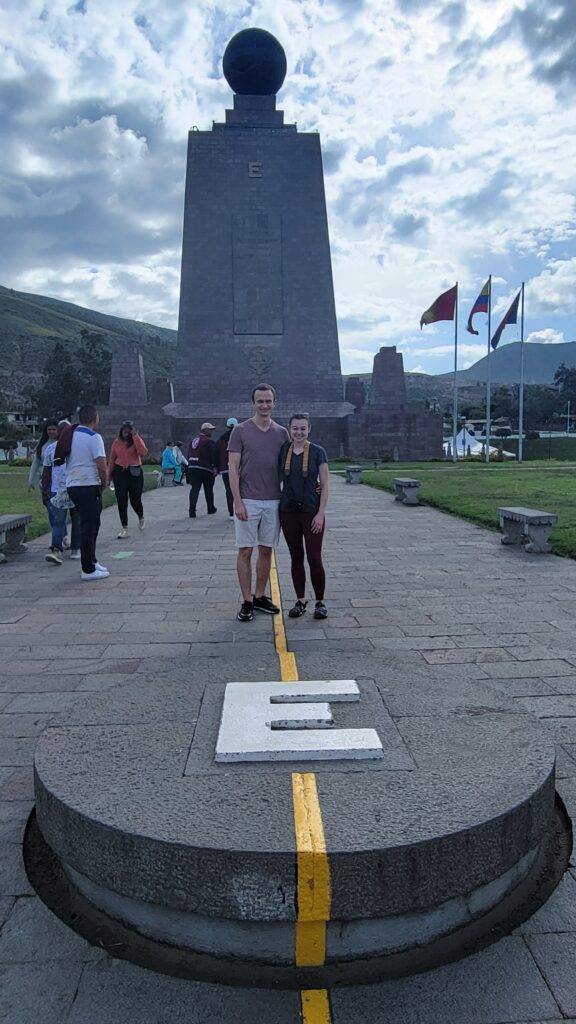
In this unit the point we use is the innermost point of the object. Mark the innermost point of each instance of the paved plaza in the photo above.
(430, 605)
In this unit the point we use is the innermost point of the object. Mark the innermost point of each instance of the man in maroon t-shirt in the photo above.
(202, 463)
(253, 451)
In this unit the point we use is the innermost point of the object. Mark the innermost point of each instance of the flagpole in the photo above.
(521, 396)
(487, 430)
(455, 402)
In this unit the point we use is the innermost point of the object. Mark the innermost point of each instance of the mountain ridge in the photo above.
(31, 324)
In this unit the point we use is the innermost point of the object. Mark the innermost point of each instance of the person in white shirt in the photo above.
(86, 477)
(53, 483)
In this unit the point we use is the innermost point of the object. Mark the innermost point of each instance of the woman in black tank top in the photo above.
(304, 479)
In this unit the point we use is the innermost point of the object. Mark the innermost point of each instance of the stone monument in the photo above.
(257, 297)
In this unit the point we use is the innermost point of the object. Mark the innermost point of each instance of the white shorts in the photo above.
(262, 525)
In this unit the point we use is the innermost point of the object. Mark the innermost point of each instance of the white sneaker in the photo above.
(98, 574)
(101, 568)
(141, 524)
(74, 553)
(123, 533)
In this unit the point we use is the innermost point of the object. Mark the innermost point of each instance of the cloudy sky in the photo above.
(448, 131)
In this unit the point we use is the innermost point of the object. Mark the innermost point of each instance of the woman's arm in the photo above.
(35, 471)
(139, 445)
(318, 521)
(112, 461)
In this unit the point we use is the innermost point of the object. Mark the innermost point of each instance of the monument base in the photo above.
(163, 854)
(363, 951)
(329, 419)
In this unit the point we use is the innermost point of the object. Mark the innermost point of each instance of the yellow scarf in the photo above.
(289, 454)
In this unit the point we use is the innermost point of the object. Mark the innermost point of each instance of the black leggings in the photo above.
(128, 486)
(296, 527)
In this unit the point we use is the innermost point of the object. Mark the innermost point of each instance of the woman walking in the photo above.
(49, 432)
(57, 503)
(125, 473)
(222, 443)
(304, 478)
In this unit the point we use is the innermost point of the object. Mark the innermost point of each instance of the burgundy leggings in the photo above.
(296, 530)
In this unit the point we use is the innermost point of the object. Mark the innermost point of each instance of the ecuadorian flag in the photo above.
(480, 306)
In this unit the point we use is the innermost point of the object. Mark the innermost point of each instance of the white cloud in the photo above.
(465, 351)
(554, 291)
(448, 151)
(547, 337)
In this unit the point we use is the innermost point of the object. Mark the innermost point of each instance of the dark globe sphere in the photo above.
(254, 63)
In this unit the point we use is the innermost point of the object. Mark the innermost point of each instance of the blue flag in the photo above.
(511, 317)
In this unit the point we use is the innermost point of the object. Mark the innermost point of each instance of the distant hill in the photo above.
(540, 364)
(31, 324)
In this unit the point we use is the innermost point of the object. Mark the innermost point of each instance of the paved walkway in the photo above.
(414, 595)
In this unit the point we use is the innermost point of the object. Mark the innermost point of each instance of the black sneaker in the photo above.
(212, 511)
(192, 515)
(320, 611)
(245, 614)
(264, 604)
(298, 610)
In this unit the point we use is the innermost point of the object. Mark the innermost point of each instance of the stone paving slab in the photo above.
(556, 958)
(30, 993)
(479, 990)
(402, 593)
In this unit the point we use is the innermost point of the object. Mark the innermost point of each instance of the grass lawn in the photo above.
(16, 498)
(474, 491)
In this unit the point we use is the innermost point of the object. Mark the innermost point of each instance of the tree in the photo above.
(61, 389)
(95, 364)
(73, 378)
(565, 380)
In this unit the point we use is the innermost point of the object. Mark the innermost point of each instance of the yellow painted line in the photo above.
(313, 873)
(315, 1006)
(312, 866)
(279, 631)
(288, 668)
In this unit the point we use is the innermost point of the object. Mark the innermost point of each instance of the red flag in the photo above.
(442, 309)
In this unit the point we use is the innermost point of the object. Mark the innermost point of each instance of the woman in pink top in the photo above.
(125, 474)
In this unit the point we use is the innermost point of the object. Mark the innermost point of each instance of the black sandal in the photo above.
(320, 611)
(298, 610)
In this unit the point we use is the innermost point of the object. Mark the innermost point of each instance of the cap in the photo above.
(127, 423)
(231, 421)
(207, 426)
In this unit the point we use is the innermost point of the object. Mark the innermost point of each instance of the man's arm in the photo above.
(102, 473)
(234, 479)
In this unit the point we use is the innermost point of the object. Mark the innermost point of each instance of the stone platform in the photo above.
(413, 605)
(424, 843)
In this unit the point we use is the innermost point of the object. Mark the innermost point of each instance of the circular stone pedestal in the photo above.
(143, 843)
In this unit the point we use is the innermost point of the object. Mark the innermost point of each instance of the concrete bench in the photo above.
(353, 474)
(12, 534)
(407, 490)
(527, 526)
